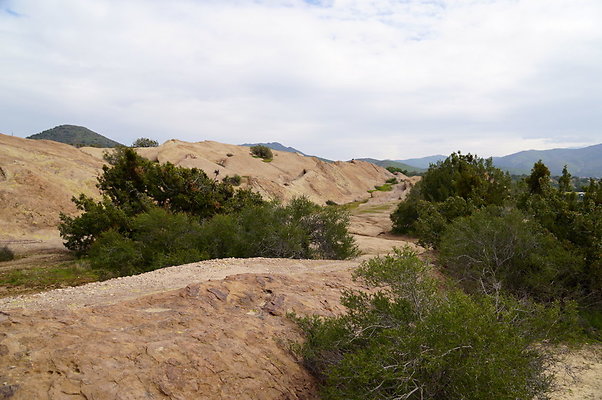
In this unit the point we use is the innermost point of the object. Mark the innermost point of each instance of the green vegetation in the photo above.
(387, 187)
(6, 254)
(77, 136)
(233, 180)
(392, 181)
(154, 215)
(395, 166)
(526, 239)
(44, 278)
(263, 152)
(414, 338)
(145, 142)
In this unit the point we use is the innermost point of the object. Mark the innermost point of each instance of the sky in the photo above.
(339, 79)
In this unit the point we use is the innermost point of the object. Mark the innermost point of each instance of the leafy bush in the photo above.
(6, 254)
(392, 181)
(466, 176)
(157, 239)
(233, 180)
(262, 151)
(498, 249)
(393, 170)
(145, 142)
(433, 218)
(414, 340)
(384, 188)
(301, 229)
(132, 185)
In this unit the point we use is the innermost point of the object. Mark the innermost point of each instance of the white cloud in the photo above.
(341, 79)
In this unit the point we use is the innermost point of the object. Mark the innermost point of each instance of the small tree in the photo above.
(262, 151)
(145, 142)
(539, 180)
(564, 182)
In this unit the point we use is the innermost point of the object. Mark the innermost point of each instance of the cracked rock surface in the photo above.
(211, 340)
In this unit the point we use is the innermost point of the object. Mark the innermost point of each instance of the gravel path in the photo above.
(161, 280)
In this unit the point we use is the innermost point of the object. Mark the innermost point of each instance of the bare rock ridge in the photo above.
(39, 177)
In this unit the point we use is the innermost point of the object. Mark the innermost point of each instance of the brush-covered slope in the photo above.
(74, 135)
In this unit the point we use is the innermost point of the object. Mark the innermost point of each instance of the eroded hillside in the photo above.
(39, 177)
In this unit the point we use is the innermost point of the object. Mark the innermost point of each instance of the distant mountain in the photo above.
(280, 147)
(584, 162)
(393, 163)
(77, 136)
(423, 162)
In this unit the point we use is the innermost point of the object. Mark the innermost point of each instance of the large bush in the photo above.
(301, 229)
(465, 176)
(132, 185)
(159, 238)
(502, 249)
(262, 151)
(414, 340)
(145, 142)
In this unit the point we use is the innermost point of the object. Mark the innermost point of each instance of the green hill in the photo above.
(392, 163)
(584, 162)
(77, 136)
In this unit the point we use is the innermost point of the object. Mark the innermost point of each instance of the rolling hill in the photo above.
(38, 178)
(423, 162)
(584, 162)
(393, 163)
(74, 135)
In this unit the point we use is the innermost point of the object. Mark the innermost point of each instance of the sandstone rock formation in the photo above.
(39, 177)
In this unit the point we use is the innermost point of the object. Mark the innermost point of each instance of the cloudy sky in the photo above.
(340, 79)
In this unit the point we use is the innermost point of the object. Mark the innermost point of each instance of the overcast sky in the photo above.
(340, 79)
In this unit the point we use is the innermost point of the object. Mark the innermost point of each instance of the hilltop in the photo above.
(281, 147)
(74, 135)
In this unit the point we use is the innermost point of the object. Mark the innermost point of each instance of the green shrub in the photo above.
(158, 239)
(466, 176)
(145, 142)
(384, 188)
(414, 340)
(502, 249)
(396, 169)
(433, 218)
(262, 151)
(392, 181)
(6, 254)
(233, 180)
(132, 185)
(116, 254)
(301, 229)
